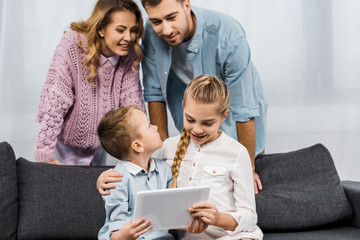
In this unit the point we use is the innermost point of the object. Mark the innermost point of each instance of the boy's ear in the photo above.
(137, 146)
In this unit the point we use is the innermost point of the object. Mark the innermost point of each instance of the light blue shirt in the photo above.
(218, 47)
(119, 205)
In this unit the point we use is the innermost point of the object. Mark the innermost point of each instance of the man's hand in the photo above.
(132, 230)
(257, 183)
(106, 177)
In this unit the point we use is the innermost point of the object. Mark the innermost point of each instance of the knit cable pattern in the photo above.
(70, 108)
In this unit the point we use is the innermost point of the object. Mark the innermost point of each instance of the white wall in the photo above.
(307, 53)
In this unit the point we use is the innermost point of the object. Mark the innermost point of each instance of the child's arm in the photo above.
(245, 210)
(132, 230)
(209, 214)
(196, 226)
(106, 177)
(118, 217)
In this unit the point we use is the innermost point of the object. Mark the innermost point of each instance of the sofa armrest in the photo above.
(352, 190)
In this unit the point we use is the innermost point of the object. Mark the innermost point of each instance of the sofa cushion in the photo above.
(300, 190)
(8, 192)
(332, 233)
(58, 202)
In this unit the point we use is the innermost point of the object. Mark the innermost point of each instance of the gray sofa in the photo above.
(302, 198)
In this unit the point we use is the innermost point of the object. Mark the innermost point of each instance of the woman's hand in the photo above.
(207, 212)
(132, 230)
(55, 162)
(106, 177)
(196, 226)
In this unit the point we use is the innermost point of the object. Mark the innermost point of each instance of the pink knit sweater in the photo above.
(70, 108)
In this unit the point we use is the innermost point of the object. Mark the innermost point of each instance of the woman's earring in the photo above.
(101, 35)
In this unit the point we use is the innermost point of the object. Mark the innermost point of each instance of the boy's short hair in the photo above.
(116, 131)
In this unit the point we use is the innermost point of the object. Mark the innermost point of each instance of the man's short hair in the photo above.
(153, 3)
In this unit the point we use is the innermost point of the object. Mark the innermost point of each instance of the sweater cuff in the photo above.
(42, 155)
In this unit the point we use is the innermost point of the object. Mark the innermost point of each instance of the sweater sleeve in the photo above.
(57, 97)
(131, 92)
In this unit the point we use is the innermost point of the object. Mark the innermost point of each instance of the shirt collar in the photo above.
(135, 169)
(196, 40)
(113, 60)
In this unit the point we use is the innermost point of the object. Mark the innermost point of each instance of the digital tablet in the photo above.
(167, 208)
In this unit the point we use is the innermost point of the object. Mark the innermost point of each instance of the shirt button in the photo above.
(165, 73)
(143, 171)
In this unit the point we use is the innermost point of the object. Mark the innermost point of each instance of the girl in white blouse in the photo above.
(205, 155)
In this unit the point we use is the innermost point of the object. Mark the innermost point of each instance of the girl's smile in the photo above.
(202, 121)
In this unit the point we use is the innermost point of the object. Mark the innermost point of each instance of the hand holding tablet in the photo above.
(168, 208)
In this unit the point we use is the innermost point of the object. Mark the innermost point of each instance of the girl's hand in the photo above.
(132, 230)
(207, 212)
(196, 226)
(106, 177)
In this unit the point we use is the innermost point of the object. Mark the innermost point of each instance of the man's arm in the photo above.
(246, 136)
(158, 117)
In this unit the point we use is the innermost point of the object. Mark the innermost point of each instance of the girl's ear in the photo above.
(137, 146)
(226, 114)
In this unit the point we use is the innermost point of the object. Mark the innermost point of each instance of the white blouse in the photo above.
(224, 165)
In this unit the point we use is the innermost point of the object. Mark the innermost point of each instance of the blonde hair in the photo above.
(116, 131)
(203, 89)
(99, 19)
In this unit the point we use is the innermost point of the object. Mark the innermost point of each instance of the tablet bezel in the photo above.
(167, 208)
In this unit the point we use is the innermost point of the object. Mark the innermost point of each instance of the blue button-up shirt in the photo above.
(119, 205)
(218, 47)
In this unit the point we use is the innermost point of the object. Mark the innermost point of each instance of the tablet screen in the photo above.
(167, 208)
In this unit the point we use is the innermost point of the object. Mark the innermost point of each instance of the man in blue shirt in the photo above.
(182, 42)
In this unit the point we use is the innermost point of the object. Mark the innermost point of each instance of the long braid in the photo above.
(179, 155)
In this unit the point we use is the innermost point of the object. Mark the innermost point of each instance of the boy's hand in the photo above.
(106, 177)
(196, 226)
(132, 230)
(207, 212)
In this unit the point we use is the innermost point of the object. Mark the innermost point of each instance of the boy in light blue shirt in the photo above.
(126, 134)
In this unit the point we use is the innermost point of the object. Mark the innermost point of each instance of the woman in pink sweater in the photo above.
(95, 68)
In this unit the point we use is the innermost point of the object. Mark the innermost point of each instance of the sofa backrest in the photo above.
(59, 202)
(301, 190)
(8, 193)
